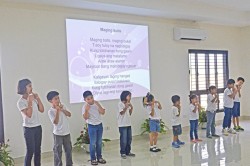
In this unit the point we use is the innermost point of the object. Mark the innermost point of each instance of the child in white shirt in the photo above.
(228, 99)
(153, 109)
(236, 108)
(176, 121)
(92, 111)
(194, 109)
(125, 110)
(58, 115)
(212, 101)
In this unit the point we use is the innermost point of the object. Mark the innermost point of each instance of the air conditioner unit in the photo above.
(189, 34)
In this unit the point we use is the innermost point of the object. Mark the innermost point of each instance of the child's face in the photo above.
(29, 88)
(90, 100)
(55, 101)
(128, 98)
(230, 85)
(177, 103)
(151, 102)
(240, 82)
(213, 91)
(194, 100)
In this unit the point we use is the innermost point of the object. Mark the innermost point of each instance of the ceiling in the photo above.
(224, 12)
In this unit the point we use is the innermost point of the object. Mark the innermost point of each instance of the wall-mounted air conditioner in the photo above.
(189, 34)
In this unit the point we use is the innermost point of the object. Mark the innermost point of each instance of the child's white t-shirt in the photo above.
(157, 114)
(228, 101)
(193, 115)
(237, 98)
(123, 120)
(34, 120)
(62, 128)
(94, 115)
(211, 106)
(176, 120)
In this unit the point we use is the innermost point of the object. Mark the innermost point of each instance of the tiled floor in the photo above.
(232, 150)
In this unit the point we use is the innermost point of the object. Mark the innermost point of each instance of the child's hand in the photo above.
(130, 105)
(87, 107)
(127, 105)
(60, 105)
(31, 97)
(157, 102)
(58, 108)
(36, 96)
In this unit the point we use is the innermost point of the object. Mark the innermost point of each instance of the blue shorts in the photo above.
(154, 125)
(177, 130)
(236, 109)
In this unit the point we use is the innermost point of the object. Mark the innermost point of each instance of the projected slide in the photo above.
(107, 58)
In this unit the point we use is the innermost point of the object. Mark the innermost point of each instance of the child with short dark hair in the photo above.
(125, 110)
(92, 111)
(212, 101)
(176, 121)
(194, 109)
(228, 98)
(236, 108)
(153, 109)
(58, 115)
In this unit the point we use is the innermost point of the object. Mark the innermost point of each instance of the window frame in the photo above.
(207, 70)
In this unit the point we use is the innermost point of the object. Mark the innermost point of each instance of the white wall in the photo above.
(33, 43)
(244, 67)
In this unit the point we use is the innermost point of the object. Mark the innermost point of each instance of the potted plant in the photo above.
(146, 129)
(5, 158)
(83, 140)
(203, 118)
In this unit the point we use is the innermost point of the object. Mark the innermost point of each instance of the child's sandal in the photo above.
(102, 161)
(94, 162)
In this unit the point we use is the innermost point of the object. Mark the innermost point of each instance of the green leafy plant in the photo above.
(5, 157)
(202, 116)
(84, 138)
(146, 129)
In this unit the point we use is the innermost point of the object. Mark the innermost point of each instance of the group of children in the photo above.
(30, 104)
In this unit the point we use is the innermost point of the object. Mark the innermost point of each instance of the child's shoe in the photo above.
(232, 131)
(237, 128)
(193, 141)
(225, 132)
(131, 155)
(124, 156)
(175, 145)
(215, 135)
(240, 128)
(94, 162)
(198, 140)
(209, 136)
(158, 149)
(180, 143)
(102, 161)
(153, 149)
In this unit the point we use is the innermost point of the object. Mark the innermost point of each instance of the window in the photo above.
(206, 68)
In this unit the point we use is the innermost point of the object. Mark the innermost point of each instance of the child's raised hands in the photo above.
(87, 107)
(31, 97)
